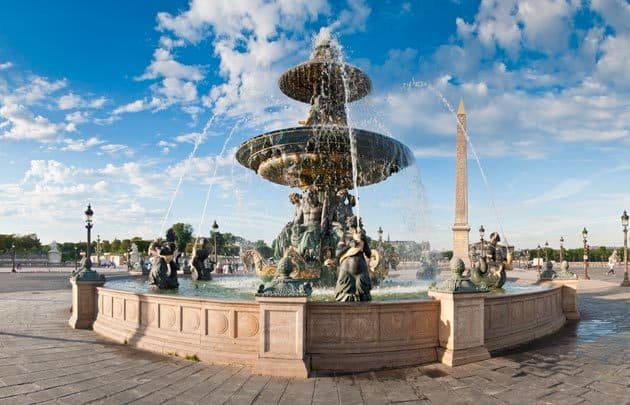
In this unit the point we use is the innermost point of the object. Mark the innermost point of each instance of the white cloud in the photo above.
(48, 172)
(616, 13)
(139, 105)
(116, 149)
(613, 65)
(25, 125)
(5, 65)
(80, 145)
(71, 101)
(562, 190)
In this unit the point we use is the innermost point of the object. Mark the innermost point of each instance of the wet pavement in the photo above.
(42, 360)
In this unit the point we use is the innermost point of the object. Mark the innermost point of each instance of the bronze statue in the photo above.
(200, 254)
(163, 265)
(353, 280)
(490, 269)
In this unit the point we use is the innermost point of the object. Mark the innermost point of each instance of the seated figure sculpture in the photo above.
(489, 271)
(283, 241)
(198, 267)
(353, 280)
(163, 265)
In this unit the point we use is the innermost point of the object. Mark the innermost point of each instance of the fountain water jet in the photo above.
(326, 158)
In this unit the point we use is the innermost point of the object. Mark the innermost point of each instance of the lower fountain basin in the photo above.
(290, 336)
(320, 156)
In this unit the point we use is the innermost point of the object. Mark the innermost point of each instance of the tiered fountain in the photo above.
(325, 158)
(280, 331)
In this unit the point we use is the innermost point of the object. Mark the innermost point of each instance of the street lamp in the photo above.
(585, 240)
(13, 258)
(98, 250)
(538, 259)
(481, 233)
(76, 258)
(624, 223)
(546, 251)
(561, 249)
(215, 230)
(89, 225)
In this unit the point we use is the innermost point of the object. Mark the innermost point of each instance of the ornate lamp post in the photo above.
(546, 251)
(585, 240)
(481, 233)
(86, 273)
(215, 230)
(76, 258)
(538, 259)
(561, 249)
(624, 223)
(98, 250)
(13, 258)
(89, 225)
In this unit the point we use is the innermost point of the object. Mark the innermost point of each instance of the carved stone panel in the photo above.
(148, 313)
(217, 322)
(247, 324)
(191, 320)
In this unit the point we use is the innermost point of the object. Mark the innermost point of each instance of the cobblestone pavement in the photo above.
(42, 360)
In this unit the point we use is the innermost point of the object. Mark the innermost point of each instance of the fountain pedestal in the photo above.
(84, 304)
(282, 337)
(461, 328)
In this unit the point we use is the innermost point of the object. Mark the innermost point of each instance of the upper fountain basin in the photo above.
(321, 156)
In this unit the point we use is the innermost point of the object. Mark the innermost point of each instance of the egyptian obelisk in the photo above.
(461, 229)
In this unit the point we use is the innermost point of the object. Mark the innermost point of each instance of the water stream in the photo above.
(198, 141)
(421, 84)
(351, 134)
(214, 174)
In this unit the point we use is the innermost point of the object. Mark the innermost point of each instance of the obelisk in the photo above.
(461, 229)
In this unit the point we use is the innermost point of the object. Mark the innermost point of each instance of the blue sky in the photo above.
(103, 102)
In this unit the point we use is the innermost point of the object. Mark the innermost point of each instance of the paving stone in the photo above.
(579, 364)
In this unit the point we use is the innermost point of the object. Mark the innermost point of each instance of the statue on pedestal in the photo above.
(163, 265)
(490, 269)
(353, 280)
(200, 253)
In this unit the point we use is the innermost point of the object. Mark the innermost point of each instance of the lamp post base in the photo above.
(625, 283)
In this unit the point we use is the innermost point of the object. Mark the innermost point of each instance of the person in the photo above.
(612, 260)
(611, 268)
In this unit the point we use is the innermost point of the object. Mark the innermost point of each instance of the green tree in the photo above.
(183, 235)
(263, 248)
(116, 246)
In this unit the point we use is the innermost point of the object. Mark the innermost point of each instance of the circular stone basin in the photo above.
(317, 77)
(244, 288)
(320, 155)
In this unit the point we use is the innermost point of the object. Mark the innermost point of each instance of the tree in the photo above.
(183, 235)
(143, 245)
(263, 248)
(116, 246)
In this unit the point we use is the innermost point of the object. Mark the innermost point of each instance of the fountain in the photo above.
(325, 158)
(283, 329)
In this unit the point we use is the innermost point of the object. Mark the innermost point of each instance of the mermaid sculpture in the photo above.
(489, 271)
(163, 265)
(353, 280)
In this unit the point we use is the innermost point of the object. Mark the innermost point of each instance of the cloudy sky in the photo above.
(114, 102)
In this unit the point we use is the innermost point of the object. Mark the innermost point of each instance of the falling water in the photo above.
(214, 174)
(198, 141)
(420, 84)
(351, 134)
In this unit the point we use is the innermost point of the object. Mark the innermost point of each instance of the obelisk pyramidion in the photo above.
(461, 229)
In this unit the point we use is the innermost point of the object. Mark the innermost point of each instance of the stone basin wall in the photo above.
(213, 330)
(292, 337)
(513, 319)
